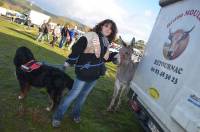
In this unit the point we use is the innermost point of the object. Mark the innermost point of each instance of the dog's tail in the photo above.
(69, 82)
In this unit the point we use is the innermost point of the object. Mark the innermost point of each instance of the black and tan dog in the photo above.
(32, 73)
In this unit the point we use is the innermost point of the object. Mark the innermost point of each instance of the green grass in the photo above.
(30, 115)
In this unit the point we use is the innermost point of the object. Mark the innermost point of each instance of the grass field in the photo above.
(30, 115)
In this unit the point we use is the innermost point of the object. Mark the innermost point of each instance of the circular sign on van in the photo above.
(178, 43)
(154, 93)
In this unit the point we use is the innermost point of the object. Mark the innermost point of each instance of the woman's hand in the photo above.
(66, 65)
(97, 48)
(95, 41)
(106, 56)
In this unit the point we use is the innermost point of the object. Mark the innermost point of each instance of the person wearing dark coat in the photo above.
(40, 34)
(89, 55)
(64, 36)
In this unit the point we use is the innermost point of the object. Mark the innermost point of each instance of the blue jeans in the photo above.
(62, 41)
(80, 90)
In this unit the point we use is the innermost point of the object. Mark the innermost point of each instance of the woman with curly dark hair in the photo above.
(89, 55)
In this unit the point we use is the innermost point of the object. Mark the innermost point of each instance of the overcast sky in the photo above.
(133, 17)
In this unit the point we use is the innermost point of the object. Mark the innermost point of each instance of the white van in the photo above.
(37, 18)
(165, 91)
(3, 11)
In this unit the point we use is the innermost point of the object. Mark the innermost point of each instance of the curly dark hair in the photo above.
(98, 28)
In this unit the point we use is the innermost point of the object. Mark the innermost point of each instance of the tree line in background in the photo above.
(24, 6)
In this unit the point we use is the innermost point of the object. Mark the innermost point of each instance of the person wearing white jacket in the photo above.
(56, 34)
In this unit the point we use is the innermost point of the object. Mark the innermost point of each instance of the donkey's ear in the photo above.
(122, 43)
(132, 44)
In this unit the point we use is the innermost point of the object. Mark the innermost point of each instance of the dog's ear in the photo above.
(17, 59)
(29, 55)
(121, 41)
(22, 56)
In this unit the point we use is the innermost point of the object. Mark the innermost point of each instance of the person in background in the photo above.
(72, 33)
(56, 34)
(41, 31)
(89, 54)
(64, 36)
(47, 29)
(77, 36)
(13, 17)
(29, 22)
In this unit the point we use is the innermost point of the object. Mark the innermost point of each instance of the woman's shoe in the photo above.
(56, 123)
(77, 119)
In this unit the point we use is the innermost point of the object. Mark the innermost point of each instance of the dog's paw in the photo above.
(20, 97)
(48, 109)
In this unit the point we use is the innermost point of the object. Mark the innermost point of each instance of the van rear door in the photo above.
(163, 78)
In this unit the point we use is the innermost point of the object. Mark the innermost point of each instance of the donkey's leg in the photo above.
(115, 94)
(127, 89)
(124, 86)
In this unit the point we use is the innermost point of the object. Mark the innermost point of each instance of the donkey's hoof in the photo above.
(109, 109)
(48, 109)
(20, 97)
(116, 109)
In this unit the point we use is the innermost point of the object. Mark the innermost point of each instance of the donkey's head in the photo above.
(126, 51)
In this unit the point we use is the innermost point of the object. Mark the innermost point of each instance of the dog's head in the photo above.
(22, 56)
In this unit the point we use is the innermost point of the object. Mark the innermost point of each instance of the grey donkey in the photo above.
(125, 72)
